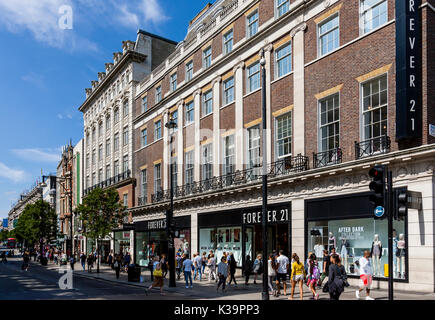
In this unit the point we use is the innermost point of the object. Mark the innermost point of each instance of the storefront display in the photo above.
(222, 231)
(122, 242)
(352, 229)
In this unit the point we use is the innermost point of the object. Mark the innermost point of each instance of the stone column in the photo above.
(239, 136)
(298, 89)
(216, 127)
(298, 225)
(197, 152)
(193, 233)
(180, 150)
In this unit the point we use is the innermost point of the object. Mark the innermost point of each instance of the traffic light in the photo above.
(377, 186)
(400, 203)
(170, 225)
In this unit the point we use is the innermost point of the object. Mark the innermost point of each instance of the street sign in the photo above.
(432, 130)
(379, 211)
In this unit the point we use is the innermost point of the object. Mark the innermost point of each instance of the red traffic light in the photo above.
(376, 172)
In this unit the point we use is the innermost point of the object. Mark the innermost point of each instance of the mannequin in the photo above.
(400, 255)
(344, 252)
(331, 242)
(318, 251)
(395, 253)
(376, 254)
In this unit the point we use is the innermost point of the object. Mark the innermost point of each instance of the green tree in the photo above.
(37, 223)
(101, 212)
(4, 235)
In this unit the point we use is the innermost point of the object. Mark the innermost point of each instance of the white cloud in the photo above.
(35, 79)
(152, 11)
(39, 155)
(12, 174)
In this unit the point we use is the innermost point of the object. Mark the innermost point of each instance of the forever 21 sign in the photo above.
(408, 63)
(273, 216)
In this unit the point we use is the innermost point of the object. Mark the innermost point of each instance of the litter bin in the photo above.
(133, 273)
(44, 261)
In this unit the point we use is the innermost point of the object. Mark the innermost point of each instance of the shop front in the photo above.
(121, 242)
(347, 224)
(239, 231)
(151, 239)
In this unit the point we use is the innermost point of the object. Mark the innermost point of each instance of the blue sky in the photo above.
(44, 70)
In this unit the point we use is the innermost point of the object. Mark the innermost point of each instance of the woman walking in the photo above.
(222, 274)
(336, 278)
(90, 262)
(258, 267)
(212, 268)
(313, 275)
(248, 268)
(117, 265)
(271, 273)
(297, 276)
(232, 265)
(158, 277)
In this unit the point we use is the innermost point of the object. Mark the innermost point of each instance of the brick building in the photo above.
(108, 118)
(331, 76)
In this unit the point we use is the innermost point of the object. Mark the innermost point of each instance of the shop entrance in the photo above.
(277, 239)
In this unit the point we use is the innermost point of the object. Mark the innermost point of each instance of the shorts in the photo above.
(312, 281)
(281, 276)
(366, 280)
(298, 277)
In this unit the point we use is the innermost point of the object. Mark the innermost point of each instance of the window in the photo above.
(254, 149)
(174, 116)
(100, 175)
(284, 135)
(125, 108)
(189, 112)
(125, 164)
(116, 168)
(100, 152)
(173, 82)
(374, 95)
(174, 172)
(229, 90)
(157, 178)
(116, 115)
(157, 130)
(207, 161)
(373, 14)
(123, 81)
(108, 172)
(206, 58)
(143, 184)
(88, 185)
(282, 6)
(189, 71)
(207, 103)
(144, 104)
(228, 165)
(158, 94)
(283, 58)
(125, 200)
(100, 129)
(189, 167)
(252, 22)
(87, 160)
(329, 123)
(254, 77)
(125, 136)
(328, 35)
(94, 156)
(144, 138)
(107, 147)
(116, 142)
(228, 41)
(107, 123)
(93, 135)
(94, 179)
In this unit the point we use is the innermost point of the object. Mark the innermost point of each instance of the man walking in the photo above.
(187, 267)
(83, 261)
(197, 261)
(366, 275)
(222, 274)
(282, 270)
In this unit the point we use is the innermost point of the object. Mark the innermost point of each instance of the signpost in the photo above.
(379, 211)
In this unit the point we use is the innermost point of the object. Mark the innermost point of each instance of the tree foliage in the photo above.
(101, 212)
(37, 222)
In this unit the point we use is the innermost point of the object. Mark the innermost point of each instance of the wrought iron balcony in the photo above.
(323, 159)
(372, 146)
(110, 182)
(141, 201)
(279, 168)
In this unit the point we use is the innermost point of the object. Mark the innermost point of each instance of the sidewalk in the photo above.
(207, 290)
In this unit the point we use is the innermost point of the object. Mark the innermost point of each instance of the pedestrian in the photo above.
(209, 254)
(3, 256)
(222, 274)
(158, 277)
(83, 260)
(336, 278)
(232, 266)
(366, 275)
(117, 265)
(187, 267)
(150, 266)
(271, 274)
(26, 260)
(71, 262)
(178, 265)
(281, 272)
(313, 275)
(211, 268)
(204, 261)
(110, 260)
(248, 268)
(258, 267)
(90, 262)
(197, 262)
(297, 276)
(326, 262)
(164, 264)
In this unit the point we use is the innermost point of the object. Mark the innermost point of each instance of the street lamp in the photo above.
(171, 124)
(265, 291)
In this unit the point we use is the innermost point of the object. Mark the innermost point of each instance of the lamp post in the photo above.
(171, 124)
(265, 291)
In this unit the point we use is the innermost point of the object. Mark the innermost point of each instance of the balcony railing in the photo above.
(372, 146)
(323, 159)
(141, 201)
(279, 168)
(111, 181)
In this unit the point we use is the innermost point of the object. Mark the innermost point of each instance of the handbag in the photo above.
(325, 287)
(157, 273)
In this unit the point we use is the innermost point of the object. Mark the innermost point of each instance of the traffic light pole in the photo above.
(390, 235)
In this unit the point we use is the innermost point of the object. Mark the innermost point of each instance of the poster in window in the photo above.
(237, 235)
(227, 235)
